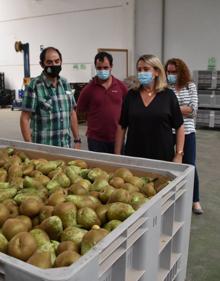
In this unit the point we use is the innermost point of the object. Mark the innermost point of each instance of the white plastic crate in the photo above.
(151, 245)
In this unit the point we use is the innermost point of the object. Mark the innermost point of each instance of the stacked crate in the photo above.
(208, 85)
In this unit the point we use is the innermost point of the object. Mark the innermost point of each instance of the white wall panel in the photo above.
(148, 27)
(192, 31)
(77, 28)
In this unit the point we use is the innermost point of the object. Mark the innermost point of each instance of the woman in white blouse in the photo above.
(180, 81)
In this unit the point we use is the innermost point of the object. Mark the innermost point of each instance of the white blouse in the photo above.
(188, 96)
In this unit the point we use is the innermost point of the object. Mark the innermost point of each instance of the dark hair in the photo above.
(183, 73)
(102, 55)
(43, 53)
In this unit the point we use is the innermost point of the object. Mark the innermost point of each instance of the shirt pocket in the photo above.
(69, 101)
(45, 107)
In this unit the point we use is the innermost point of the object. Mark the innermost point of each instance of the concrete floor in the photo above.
(204, 251)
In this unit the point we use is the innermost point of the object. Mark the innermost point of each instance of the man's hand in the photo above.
(77, 145)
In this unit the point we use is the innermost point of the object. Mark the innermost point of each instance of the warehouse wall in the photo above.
(191, 30)
(79, 27)
(148, 27)
(76, 27)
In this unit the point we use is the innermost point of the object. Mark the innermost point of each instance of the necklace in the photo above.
(150, 93)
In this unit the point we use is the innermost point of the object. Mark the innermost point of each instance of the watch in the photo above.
(180, 152)
(77, 140)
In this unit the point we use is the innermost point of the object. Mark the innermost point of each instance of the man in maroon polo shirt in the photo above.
(101, 101)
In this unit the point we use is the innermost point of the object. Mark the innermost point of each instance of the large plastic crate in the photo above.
(205, 117)
(205, 79)
(151, 245)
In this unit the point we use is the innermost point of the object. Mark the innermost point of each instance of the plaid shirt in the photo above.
(51, 110)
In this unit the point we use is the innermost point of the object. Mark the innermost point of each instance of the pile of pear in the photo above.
(52, 212)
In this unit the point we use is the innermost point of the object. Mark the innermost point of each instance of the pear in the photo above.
(53, 173)
(53, 227)
(27, 169)
(14, 171)
(148, 189)
(136, 181)
(73, 233)
(111, 225)
(31, 207)
(96, 172)
(130, 187)
(81, 201)
(119, 211)
(17, 182)
(3, 175)
(12, 226)
(7, 193)
(22, 246)
(66, 258)
(3, 243)
(42, 179)
(46, 168)
(56, 197)
(26, 220)
(67, 245)
(62, 179)
(41, 259)
(78, 162)
(30, 182)
(98, 184)
(4, 214)
(106, 193)
(77, 189)
(45, 212)
(123, 173)
(84, 182)
(120, 195)
(87, 217)
(67, 213)
(91, 238)
(116, 182)
(101, 211)
(72, 174)
(12, 208)
(40, 237)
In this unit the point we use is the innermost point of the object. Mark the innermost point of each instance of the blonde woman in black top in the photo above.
(148, 115)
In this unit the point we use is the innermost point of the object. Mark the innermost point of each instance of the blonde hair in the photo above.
(160, 80)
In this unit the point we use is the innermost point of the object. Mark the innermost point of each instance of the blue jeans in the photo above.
(189, 157)
(100, 146)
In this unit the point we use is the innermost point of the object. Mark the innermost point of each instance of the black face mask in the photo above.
(53, 70)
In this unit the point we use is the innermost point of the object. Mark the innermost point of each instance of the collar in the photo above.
(96, 81)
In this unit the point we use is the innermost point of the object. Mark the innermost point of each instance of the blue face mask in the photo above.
(171, 78)
(103, 74)
(145, 78)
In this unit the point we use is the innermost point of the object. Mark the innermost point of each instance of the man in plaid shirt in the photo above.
(48, 108)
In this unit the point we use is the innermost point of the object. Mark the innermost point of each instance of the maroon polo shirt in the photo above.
(102, 108)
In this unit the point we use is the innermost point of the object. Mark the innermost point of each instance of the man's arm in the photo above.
(75, 130)
(25, 125)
